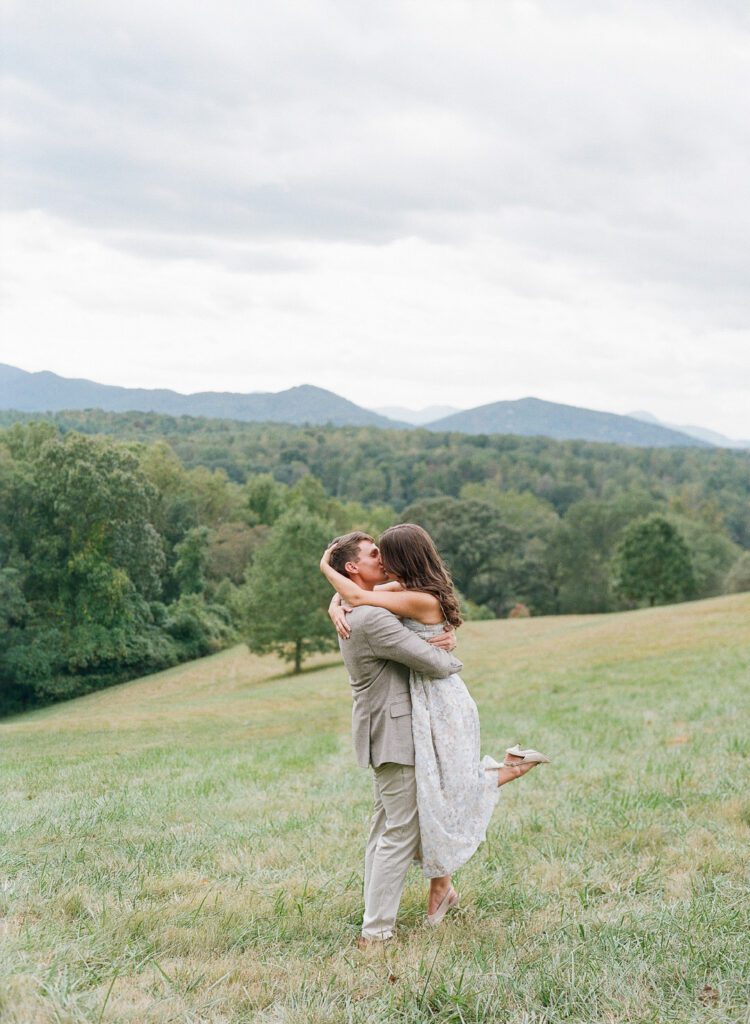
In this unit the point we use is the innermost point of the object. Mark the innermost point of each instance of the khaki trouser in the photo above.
(391, 847)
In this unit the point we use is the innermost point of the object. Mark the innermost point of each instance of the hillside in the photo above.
(712, 437)
(532, 417)
(188, 846)
(47, 392)
(400, 466)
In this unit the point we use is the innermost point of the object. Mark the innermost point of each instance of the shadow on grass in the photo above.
(305, 671)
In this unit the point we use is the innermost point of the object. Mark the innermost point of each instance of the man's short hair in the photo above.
(346, 549)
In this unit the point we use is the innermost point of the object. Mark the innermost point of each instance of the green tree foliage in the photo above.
(712, 553)
(264, 499)
(14, 613)
(522, 510)
(231, 550)
(652, 563)
(175, 510)
(85, 560)
(85, 566)
(477, 545)
(198, 628)
(192, 561)
(533, 564)
(216, 499)
(286, 596)
(738, 577)
(399, 467)
(580, 550)
(85, 515)
(119, 557)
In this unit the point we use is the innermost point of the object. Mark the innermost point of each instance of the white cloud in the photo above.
(490, 199)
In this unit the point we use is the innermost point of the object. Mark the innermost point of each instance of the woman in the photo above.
(456, 790)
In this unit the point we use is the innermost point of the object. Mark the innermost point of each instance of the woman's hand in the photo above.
(326, 559)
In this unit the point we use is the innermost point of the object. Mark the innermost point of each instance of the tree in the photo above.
(231, 550)
(712, 553)
(652, 563)
(477, 544)
(84, 561)
(520, 509)
(87, 514)
(14, 611)
(286, 596)
(738, 577)
(192, 559)
(264, 499)
(580, 551)
(533, 571)
(216, 499)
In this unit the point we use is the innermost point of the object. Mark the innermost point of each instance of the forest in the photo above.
(131, 542)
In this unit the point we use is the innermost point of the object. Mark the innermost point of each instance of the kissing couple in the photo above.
(413, 720)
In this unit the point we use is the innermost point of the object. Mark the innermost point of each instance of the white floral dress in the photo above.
(455, 795)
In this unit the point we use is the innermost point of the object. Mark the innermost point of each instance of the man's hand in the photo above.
(446, 640)
(337, 612)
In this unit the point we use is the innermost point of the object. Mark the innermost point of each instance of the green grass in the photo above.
(188, 847)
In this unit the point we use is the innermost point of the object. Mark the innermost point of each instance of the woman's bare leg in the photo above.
(514, 768)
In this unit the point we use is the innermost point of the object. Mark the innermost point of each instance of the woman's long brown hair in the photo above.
(410, 555)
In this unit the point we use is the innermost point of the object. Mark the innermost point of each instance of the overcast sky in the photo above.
(407, 203)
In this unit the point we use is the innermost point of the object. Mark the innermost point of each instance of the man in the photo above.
(378, 653)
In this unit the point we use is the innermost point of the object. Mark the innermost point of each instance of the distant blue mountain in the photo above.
(713, 437)
(46, 392)
(532, 417)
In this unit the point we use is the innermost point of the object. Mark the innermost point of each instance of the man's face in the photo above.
(370, 565)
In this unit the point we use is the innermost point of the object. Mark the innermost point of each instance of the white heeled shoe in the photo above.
(527, 756)
(448, 902)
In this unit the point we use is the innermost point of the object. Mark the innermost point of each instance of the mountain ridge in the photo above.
(533, 417)
(713, 437)
(44, 391)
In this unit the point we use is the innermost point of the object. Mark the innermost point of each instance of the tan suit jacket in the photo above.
(378, 655)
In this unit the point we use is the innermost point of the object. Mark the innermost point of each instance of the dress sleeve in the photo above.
(388, 638)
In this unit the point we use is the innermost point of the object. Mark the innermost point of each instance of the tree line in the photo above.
(132, 542)
(117, 561)
(398, 467)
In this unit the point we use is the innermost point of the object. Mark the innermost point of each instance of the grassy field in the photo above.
(187, 847)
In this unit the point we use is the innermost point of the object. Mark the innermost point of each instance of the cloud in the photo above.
(324, 171)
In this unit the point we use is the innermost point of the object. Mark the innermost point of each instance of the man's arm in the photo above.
(390, 639)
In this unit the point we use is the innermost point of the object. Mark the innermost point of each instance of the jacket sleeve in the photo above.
(390, 639)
